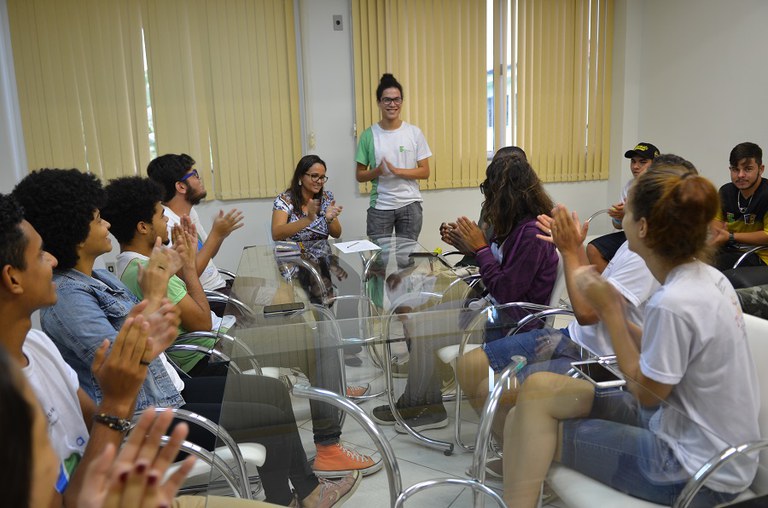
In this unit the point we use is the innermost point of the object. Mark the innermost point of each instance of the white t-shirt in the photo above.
(630, 276)
(403, 148)
(210, 279)
(55, 384)
(694, 338)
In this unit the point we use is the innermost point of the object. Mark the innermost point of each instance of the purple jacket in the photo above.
(528, 269)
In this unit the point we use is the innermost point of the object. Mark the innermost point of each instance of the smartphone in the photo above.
(282, 308)
(599, 374)
(422, 255)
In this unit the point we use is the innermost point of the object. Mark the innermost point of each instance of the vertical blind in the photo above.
(436, 50)
(222, 76)
(80, 81)
(564, 51)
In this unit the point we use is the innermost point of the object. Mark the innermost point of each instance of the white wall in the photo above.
(689, 76)
(704, 83)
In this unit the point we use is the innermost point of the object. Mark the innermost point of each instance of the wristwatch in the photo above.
(731, 239)
(113, 422)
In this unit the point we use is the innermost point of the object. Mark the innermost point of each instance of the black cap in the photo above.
(643, 150)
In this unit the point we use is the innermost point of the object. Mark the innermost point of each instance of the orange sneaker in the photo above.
(333, 461)
(357, 390)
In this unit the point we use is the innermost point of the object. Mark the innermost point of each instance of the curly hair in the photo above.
(169, 169)
(130, 200)
(59, 203)
(513, 193)
(388, 81)
(12, 239)
(294, 189)
(668, 190)
(16, 421)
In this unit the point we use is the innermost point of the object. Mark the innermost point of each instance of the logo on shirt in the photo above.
(403, 149)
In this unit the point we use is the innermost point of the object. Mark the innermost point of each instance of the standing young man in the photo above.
(742, 221)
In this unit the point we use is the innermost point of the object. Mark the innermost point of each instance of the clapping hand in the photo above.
(225, 224)
(332, 211)
(467, 236)
(135, 477)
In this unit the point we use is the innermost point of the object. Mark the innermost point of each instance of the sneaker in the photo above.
(428, 417)
(383, 414)
(333, 461)
(493, 469)
(357, 390)
(336, 493)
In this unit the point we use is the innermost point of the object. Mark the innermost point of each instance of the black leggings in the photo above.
(254, 409)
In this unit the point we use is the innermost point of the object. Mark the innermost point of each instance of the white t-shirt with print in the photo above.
(403, 148)
(55, 384)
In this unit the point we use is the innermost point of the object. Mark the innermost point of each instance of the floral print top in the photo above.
(318, 230)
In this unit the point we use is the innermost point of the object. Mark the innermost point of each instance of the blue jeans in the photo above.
(615, 446)
(545, 349)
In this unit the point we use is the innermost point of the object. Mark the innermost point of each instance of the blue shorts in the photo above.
(545, 349)
(615, 446)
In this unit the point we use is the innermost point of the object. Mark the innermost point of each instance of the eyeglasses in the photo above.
(317, 178)
(189, 175)
(391, 100)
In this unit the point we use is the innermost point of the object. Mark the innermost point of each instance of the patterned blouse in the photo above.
(318, 230)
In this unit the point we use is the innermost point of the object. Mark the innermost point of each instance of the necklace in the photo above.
(743, 209)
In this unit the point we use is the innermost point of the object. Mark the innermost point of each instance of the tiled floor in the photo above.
(417, 462)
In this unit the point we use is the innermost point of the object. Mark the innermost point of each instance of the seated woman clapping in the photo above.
(305, 211)
(689, 368)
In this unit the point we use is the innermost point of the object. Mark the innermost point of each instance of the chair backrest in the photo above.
(757, 336)
(559, 287)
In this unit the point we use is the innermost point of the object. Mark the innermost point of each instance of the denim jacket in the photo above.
(89, 310)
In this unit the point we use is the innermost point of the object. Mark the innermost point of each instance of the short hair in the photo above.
(130, 200)
(294, 189)
(746, 150)
(59, 203)
(12, 239)
(506, 151)
(388, 81)
(169, 169)
(667, 192)
(513, 193)
(16, 421)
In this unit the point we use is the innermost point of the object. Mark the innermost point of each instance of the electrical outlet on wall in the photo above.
(338, 24)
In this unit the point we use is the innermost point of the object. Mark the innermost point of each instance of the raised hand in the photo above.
(445, 232)
(333, 211)
(163, 326)
(153, 277)
(185, 245)
(313, 207)
(565, 230)
(599, 293)
(467, 236)
(616, 211)
(225, 224)
(135, 477)
(121, 370)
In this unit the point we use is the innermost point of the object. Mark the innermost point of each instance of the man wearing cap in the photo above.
(601, 250)
(742, 221)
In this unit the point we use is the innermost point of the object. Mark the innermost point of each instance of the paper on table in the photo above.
(356, 246)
